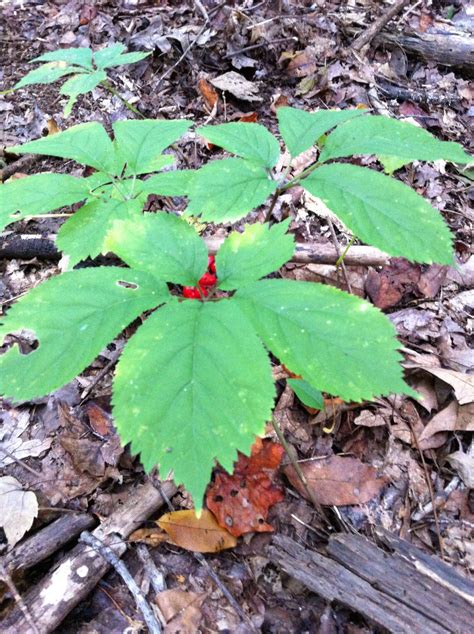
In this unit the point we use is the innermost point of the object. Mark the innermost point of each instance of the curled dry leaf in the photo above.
(451, 418)
(200, 534)
(18, 509)
(337, 480)
(208, 93)
(238, 86)
(241, 501)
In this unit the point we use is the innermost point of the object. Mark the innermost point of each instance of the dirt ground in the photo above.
(296, 53)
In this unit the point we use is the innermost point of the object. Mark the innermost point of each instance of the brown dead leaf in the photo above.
(464, 465)
(369, 419)
(302, 64)
(337, 480)
(208, 93)
(181, 610)
(451, 418)
(198, 534)
(238, 86)
(152, 536)
(462, 384)
(99, 420)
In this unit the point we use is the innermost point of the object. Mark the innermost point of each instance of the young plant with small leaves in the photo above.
(84, 68)
(194, 383)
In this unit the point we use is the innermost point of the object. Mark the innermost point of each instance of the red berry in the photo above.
(208, 279)
(211, 264)
(191, 292)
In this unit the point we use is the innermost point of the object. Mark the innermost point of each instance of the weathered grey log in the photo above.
(77, 574)
(405, 581)
(47, 541)
(27, 247)
(450, 48)
(387, 595)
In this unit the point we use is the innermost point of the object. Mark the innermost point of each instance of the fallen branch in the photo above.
(111, 558)
(46, 542)
(77, 574)
(368, 35)
(27, 247)
(450, 48)
(400, 591)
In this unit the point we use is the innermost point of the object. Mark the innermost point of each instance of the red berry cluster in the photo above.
(207, 280)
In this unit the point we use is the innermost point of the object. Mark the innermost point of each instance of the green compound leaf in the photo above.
(39, 194)
(111, 56)
(175, 183)
(79, 56)
(84, 234)
(335, 341)
(388, 137)
(249, 140)
(300, 129)
(74, 316)
(162, 244)
(383, 211)
(140, 143)
(46, 74)
(188, 392)
(227, 190)
(248, 256)
(78, 85)
(307, 394)
(86, 143)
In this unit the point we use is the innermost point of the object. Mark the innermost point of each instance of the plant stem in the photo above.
(340, 259)
(299, 472)
(125, 102)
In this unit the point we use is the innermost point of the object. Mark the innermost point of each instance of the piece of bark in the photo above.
(450, 48)
(47, 541)
(76, 575)
(382, 593)
(27, 247)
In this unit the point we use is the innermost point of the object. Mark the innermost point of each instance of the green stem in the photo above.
(125, 102)
(340, 259)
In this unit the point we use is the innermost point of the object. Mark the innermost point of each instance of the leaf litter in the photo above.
(300, 60)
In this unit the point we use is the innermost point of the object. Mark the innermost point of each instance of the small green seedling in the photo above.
(86, 69)
(194, 383)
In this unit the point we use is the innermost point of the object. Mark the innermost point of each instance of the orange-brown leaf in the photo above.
(199, 534)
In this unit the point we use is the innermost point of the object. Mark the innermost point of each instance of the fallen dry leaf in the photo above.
(208, 93)
(181, 610)
(337, 480)
(464, 465)
(369, 419)
(462, 384)
(451, 418)
(19, 509)
(237, 86)
(199, 534)
(152, 536)
(12, 446)
(241, 501)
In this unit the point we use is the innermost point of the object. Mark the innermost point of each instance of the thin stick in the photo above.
(5, 575)
(338, 251)
(368, 35)
(186, 51)
(21, 463)
(430, 489)
(111, 558)
(299, 472)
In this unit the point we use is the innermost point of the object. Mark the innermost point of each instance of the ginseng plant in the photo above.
(194, 383)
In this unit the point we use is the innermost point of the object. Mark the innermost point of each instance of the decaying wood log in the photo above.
(33, 246)
(47, 541)
(450, 48)
(76, 575)
(400, 592)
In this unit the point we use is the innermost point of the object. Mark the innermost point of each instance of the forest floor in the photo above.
(287, 52)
